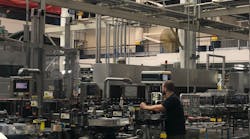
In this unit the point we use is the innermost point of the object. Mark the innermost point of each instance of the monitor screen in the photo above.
(21, 85)
(151, 77)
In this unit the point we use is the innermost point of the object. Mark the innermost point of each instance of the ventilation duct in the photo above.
(170, 40)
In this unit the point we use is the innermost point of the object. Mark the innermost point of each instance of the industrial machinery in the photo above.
(221, 110)
(110, 105)
(113, 112)
(35, 83)
(104, 117)
(151, 124)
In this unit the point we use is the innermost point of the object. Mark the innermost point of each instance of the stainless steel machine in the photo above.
(111, 101)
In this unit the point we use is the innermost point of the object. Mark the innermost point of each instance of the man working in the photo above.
(173, 109)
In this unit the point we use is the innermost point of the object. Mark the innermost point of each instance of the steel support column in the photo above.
(125, 41)
(114, 40)
(67, 35)
(37, 53)
(107, 55)
(121, 39)
(98, 38)
(188, 40)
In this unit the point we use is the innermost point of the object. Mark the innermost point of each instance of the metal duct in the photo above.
(170, 40)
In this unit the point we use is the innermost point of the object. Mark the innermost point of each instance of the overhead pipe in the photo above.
(114, 40)
(125, 41)
(26, 26)
(129, 44)
(98, 38)
(67, 34)
(107, 55)
(106, 48)
(28, 70)
(248, 44)
(26, 36)
(117, 40)
(156, 4)
(121, 38)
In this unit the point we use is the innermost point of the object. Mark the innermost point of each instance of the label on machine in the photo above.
(65, 116)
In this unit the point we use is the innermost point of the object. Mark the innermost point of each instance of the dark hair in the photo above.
(169, 85)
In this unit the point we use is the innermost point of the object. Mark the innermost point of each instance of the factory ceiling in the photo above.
(169, 15)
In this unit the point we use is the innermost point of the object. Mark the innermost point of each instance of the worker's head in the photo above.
(168, 87)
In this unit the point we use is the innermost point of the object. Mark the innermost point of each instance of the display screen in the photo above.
(151, 77)
(21, 85)
(155, 77)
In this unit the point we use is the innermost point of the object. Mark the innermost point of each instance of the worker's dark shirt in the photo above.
(175, 121)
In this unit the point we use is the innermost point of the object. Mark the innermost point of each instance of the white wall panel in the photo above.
(232, 55)
(13, 25)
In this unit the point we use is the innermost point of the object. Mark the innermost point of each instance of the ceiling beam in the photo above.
(83, 6)
(76, 27)
(226, 11)
(224, 34)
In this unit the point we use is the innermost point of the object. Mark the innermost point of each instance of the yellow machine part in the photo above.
(163, 135)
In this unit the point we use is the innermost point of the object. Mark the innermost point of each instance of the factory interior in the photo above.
(98, 69)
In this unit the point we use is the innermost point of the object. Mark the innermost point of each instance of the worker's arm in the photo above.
(157, 108)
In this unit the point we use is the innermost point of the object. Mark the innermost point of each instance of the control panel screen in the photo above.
(21, 85)
(151, 77)
(155, 78)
